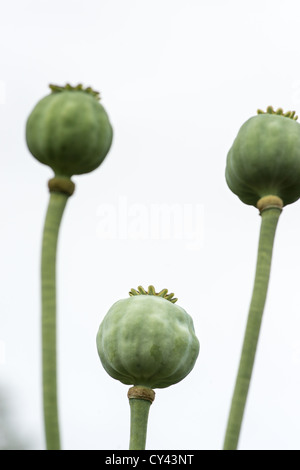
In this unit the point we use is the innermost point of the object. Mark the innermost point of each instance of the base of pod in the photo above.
(141, 393)
(269, 202)
(61, 185)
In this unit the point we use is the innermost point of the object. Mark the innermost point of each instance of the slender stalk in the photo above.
(139, 412)
(140, 400)
(269, 220)
(54, 215)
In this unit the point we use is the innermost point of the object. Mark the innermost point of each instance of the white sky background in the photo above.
(178, 78)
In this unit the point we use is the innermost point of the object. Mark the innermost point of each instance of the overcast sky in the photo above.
(178, 78)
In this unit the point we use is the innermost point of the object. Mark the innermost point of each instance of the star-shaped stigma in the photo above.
(151, 291)
(279, 112)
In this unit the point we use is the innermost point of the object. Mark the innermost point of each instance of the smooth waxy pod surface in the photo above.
(265, 158)
(69, 130)
(147, 340)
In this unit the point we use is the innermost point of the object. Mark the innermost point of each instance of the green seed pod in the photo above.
(146, 340)
(69, 130)
(265, 158)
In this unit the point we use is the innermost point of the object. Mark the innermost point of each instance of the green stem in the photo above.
(269, 220)
(140, 400)
(54, 214)
(139, 412)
